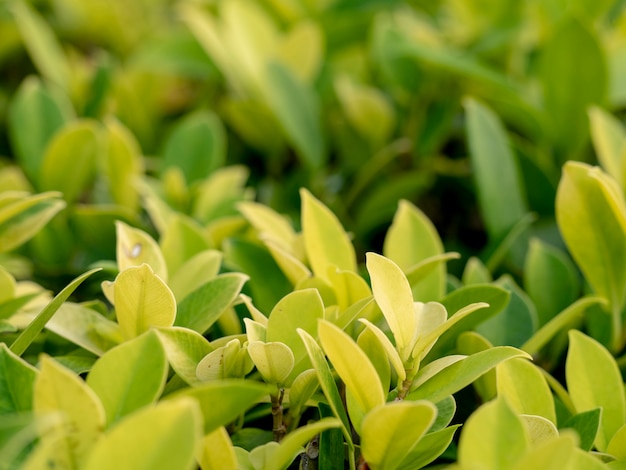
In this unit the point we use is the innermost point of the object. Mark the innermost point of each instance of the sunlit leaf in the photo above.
(184, 349)
(273, 360)
(129, 376)
(135, 247)
(217, 452)
(16, 382)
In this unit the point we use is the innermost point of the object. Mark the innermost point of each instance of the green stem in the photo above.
(278, 427)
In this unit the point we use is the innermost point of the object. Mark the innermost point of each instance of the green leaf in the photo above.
(390, 351)
(493, 438)
(574, 75)
(129, 376)
(184, 349)
(326, 243)
(554, 453)
(135, 247)
(34, 328)
(164, 436)
(591, 214)
(327, 384)
(367, 110)
(391, 431)
(269, 224)
(429, 447)
(195, 272)
(550, 279)
(16, 382)
(223, 401)
(469, 343)
(343, 352)
(72, 151)
(142, 300)
(197, 145)
(617, 445)
(181, 240)
(295, 106)
(394, 297)
(370, 344)
(609, 139)
(217, 452)
(301, 390)
(57, 389)
(497, 298)
(42, 45)
(594, 381)
(525, 389)
(35, 115)
(411, 239)
(23, 216)
(122, 164)
(586, 425)
(475, 272)
(292, 444)
(229, 361)
(462, 373)
(273, 360)
(496, 170)
(300, 309)
(201, 309)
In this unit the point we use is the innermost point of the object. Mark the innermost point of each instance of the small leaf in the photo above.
(462, 373)
(197, 145)
(617, 445)
(34, 328)
(164, 436)
(195, 272)
(17, 378)
(184, 349)
(302, 389)
(23, 216)
(129, 376)
(228, 361)
(390, 350)
(393, 295)
(223, 401)
(273, 360)
(292, 444)
(181, 239)
(201, 309)
(135, 247)
(539, 429)
(142, 300)
(594, 381)
(609, 140)
(411, 239)
(493, 438)
(57, 389)
(343, 352)
(391, 431)
(586, 425)
(429, 447)
(269, 224)
(326, 243)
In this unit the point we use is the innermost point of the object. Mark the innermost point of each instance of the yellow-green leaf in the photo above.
(273, 360)
(217, 452)
(58, 390)
(326, 243)
(135, 247)
(389, 432)
(142, 300)
(184, 349)
(163, 436)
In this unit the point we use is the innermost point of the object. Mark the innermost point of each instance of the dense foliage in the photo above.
(307, 234)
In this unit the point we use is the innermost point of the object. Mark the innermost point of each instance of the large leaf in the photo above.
(462, 373)
(594, 381)
(142, 300)
(23, 216)
(573, 72)
(223, 401)
(496, 170)
(327, 244)
(217, 452)
(129, 376)
(34, 328)
(591, 215)
(16, 382)
(164, 436)
(391, 431)
(200, 309)
(411, 239)
(58, 390)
